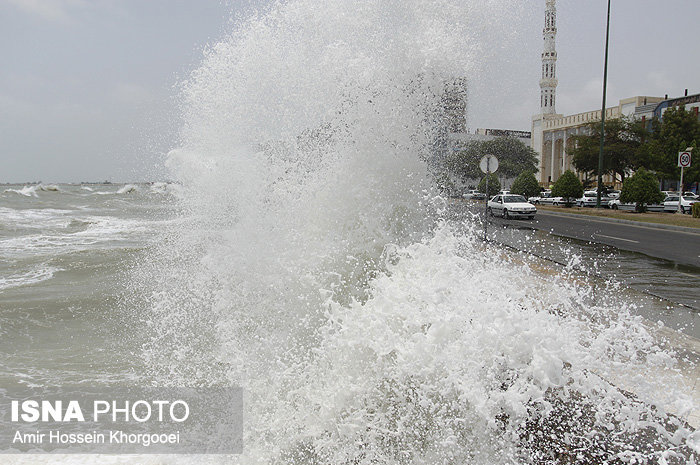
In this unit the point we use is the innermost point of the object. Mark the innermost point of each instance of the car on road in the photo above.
(691, 194)
(671, 204)
(511, 206)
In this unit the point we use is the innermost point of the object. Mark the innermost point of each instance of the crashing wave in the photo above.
(31, 191)
(313, 266)
(27, 191)
(128, 189)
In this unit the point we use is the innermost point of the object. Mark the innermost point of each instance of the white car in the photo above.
(543, 195)
(615, 204)
(590, 199)
(671, 204)
(554, 201)
(474, 195)
(511, 206)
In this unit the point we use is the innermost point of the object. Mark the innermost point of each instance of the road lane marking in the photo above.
(617, 238)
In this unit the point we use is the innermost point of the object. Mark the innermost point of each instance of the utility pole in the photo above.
(602, 114)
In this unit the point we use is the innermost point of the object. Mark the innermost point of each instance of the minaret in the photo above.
(548, 83)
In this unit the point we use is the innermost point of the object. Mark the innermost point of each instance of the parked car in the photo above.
(510, 206)
(546, 198)
(691, 194)
(615, 204)
(590, 199)
(554, 201)
(474, 195)
(543, 195)
(671, 204)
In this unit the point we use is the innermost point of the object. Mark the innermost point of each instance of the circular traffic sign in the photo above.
(488, 164)
(684, 159)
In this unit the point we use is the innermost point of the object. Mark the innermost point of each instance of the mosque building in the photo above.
(552, 132)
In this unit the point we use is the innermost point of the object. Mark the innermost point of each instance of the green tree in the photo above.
(642, 189)
(514, 157)
(494, 185)
(678, 130)
(621, 151)
(569, 187)
(526, 185)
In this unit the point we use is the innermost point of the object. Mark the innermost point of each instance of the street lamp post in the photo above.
(602, 114)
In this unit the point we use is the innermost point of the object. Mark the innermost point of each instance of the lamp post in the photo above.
(602, 114)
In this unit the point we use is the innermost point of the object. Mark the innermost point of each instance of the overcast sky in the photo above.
(86, 87)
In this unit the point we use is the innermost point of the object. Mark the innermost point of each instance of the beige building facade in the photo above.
(552, 134)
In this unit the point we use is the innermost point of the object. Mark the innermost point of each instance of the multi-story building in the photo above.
(552, 137)
(552, 132)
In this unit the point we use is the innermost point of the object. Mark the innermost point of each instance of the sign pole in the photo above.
(684, 159)
(680, 194)
(487, 163)
(486, 202)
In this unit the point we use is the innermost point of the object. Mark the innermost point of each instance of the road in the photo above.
(651, 260)
(680, 247)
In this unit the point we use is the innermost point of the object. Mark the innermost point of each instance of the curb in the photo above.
(604, 219)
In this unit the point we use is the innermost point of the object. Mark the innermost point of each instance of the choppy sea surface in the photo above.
(64, 253)
(72, 256)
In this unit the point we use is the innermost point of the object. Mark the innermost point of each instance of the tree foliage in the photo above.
(494, 185)
(621, 150)
(678, 130)
(526, 185)
(642, 189)
(568, 186)
(514, 157)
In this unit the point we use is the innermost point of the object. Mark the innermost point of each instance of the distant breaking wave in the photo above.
(31, 191)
